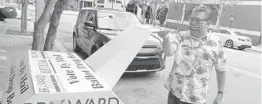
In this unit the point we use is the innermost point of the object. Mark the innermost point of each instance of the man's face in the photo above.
(198, 24)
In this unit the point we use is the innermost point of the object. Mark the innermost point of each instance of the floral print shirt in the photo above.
(194, 60)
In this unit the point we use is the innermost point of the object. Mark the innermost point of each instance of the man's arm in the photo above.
(221, 79)
(169, 44)
(221, 68)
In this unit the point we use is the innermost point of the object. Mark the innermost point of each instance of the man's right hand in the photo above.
(163, 34)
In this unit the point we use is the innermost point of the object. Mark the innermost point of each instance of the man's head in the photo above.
(199, 21)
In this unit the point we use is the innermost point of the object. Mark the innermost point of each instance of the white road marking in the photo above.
(3, 58)
(245, 72)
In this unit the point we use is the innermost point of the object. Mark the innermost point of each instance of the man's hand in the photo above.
(218, 99)
(163, 34)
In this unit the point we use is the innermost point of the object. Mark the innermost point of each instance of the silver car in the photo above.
(96, 26)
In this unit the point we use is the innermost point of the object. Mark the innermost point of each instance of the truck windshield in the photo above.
(116, 20)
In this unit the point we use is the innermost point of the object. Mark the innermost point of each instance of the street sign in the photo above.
(231, 17)
(64, 78)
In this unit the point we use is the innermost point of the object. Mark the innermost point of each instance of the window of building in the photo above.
(91, 18)
(120, 2)
(225, 32)
(101, 1)
(101, 6)
(88, 4)
(112, 1)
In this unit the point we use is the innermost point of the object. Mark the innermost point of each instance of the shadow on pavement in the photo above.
(139, 75)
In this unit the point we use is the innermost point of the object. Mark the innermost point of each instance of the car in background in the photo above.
(96, 26)
(232, 39)
(7, 13)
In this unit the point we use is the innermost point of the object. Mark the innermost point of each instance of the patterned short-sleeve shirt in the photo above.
(194, 60)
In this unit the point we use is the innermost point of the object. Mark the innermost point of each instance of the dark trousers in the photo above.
(172, 99)
(147, 20)
(162, 21)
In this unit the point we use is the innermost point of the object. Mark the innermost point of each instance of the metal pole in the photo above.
(124, 5)
(231, 20)
(2, 2)
(230, 24)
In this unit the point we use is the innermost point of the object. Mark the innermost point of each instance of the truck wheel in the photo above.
(229, 44)
(241, 48)
(75, 46)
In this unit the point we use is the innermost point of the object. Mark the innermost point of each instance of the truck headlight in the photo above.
(241, 39)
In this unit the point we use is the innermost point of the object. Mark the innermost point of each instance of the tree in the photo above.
(18, 4)
(40, 25)
(183, 8)
(51, 34)
(221, 6)
(24, 15)
(154, 4)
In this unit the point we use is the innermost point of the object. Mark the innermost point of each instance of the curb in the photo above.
(257, 50)
(59, 46)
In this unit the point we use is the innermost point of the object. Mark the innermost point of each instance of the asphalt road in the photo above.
(243, 84)
(248, 60)
(243, 78)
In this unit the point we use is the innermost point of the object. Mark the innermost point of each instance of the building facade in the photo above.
(246, 15)
(115, 4)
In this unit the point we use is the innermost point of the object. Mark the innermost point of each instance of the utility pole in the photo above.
(83, 4)
(231, 20)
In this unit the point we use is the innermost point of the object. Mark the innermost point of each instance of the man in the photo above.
(196, 52)
(132, 7)
(162, 13)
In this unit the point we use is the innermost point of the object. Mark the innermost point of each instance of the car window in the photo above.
(225, 32)
(80, 15)
(83, 16)
(116, 20)
(90, 17)
(216, 31)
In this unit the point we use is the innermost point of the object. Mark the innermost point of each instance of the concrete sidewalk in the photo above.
(256, 48)
(13, 46)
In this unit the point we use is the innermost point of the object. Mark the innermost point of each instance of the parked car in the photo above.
(96, 26)
(231, 39)
(7, 12)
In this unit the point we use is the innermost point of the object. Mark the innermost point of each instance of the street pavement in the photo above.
(243, 84)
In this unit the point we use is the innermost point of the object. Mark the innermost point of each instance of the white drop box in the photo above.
(55, 78)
